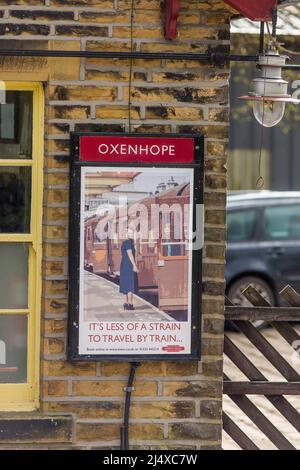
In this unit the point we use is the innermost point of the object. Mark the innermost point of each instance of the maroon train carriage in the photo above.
(163, 264)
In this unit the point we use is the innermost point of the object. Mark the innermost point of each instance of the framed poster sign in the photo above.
(136, 236)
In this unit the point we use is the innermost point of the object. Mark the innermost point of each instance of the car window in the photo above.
(282, 222)
(241, 224)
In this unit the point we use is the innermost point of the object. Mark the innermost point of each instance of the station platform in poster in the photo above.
(106, 303)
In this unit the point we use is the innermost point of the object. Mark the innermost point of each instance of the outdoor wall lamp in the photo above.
(270, 91)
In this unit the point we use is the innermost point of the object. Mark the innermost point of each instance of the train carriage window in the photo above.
(173, 249)
(21, 184)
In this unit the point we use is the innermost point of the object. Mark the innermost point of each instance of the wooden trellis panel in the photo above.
(240, 392)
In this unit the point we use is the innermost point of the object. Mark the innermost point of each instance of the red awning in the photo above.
(256, 10)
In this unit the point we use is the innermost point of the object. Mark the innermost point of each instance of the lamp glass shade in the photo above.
(268, 113)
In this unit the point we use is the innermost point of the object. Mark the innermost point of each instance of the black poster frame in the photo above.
(74, 247)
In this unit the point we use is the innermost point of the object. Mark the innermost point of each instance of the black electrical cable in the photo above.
(129, 389)
(262, 38)
(274, 22)
(209, 56)
(130, 65)
(212, 57)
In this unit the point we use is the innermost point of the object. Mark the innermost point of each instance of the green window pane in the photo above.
(13, 348)
(13, 276)
(16, 110)
(15, 199)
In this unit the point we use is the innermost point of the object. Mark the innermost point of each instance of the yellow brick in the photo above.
(200, 33)
(172, 389)
(184, 95)
(52, 268)
(70, 112)
(188, 18)
(103, 4)
(138, 33)
(53, 346)
(196, 389)
(98, 432)
(168, 368)
(218, 115)
(57, 145)
(107, 76)
(82, 93)
(57, 196)
(110, 369)
(55, 287)
(215, 132)
(86, 409)
(104, 17)
(54, 214)
(56, 129)
(143, 63)
(52, 162)
(139, 4)
(182, 114)
(206, 5)
(192, 65)
(54, 231)
(64, 68)
(154, 128)
(173, 47)
(114, 112)
(110, 432)
(162, 409)
(62, 368)
(55, 306)
(108, 46)
(112, 388)
(146, 431)
(215, 18)
(217, 149)
(169, 77)
(150, 16)
(56, 388)
(56, 249)
(55, 326)
(57, 179)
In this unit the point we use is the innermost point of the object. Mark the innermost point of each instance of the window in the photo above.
(21, 189)
(282, 222)
(241, 225)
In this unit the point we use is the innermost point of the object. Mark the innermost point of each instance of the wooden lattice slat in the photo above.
(284, 329)
(259, 419)
(254, 374)
(290, 296)
(270, 353)
(278, 317)
(237, 434)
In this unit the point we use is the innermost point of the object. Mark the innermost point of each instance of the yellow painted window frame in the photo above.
(25, 397)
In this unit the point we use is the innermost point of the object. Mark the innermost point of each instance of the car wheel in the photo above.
(235, 295)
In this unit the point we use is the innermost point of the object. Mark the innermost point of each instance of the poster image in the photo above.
(136, 261)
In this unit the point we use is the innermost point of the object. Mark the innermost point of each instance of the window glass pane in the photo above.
(173, 249)
(241, 225)
(13, 276)
(16, 124)
(13, 348)
(15, 199)
(282, 222)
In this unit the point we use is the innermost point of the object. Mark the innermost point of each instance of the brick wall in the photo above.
(175, 404)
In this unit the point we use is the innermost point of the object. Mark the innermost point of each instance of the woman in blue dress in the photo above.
(128, 271)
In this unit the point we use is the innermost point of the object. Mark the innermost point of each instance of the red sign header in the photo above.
(120, 149)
